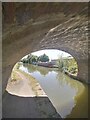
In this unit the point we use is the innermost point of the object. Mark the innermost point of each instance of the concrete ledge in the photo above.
(32, 107)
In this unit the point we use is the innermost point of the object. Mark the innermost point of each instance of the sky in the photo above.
(53, 54)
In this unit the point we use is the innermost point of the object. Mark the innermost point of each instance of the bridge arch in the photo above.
(37, 26)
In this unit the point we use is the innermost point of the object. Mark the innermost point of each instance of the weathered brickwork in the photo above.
(62, 26)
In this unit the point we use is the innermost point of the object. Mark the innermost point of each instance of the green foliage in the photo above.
(24, 60)
(72, 68)
(32, 59)
(68, 64)
(60, 63)
(43, 58)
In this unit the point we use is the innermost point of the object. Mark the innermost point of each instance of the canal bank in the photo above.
(68, 96)
(28, 93)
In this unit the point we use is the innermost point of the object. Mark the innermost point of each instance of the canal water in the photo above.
(68, 96)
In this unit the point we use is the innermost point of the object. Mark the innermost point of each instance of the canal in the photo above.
(69, 96)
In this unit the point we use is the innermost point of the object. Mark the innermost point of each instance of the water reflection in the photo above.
(33, 68)
(60, 89)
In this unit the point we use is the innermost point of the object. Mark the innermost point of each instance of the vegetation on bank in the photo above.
(32, 59)
(67, 64)
(64, 64)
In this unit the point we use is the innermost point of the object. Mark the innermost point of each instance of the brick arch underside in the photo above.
(38, 26)
(19, 48)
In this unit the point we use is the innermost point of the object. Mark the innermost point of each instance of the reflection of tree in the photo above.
(64, 79)
(61, 78)
(33, 68)
(43, 71)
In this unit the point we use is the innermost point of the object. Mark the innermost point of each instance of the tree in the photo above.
(24, 60)
(43, 58)
(29, 59)
(60, 63)
(68, 64)
(33, 59)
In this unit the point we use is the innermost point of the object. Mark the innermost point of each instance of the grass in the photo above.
(15, 76)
